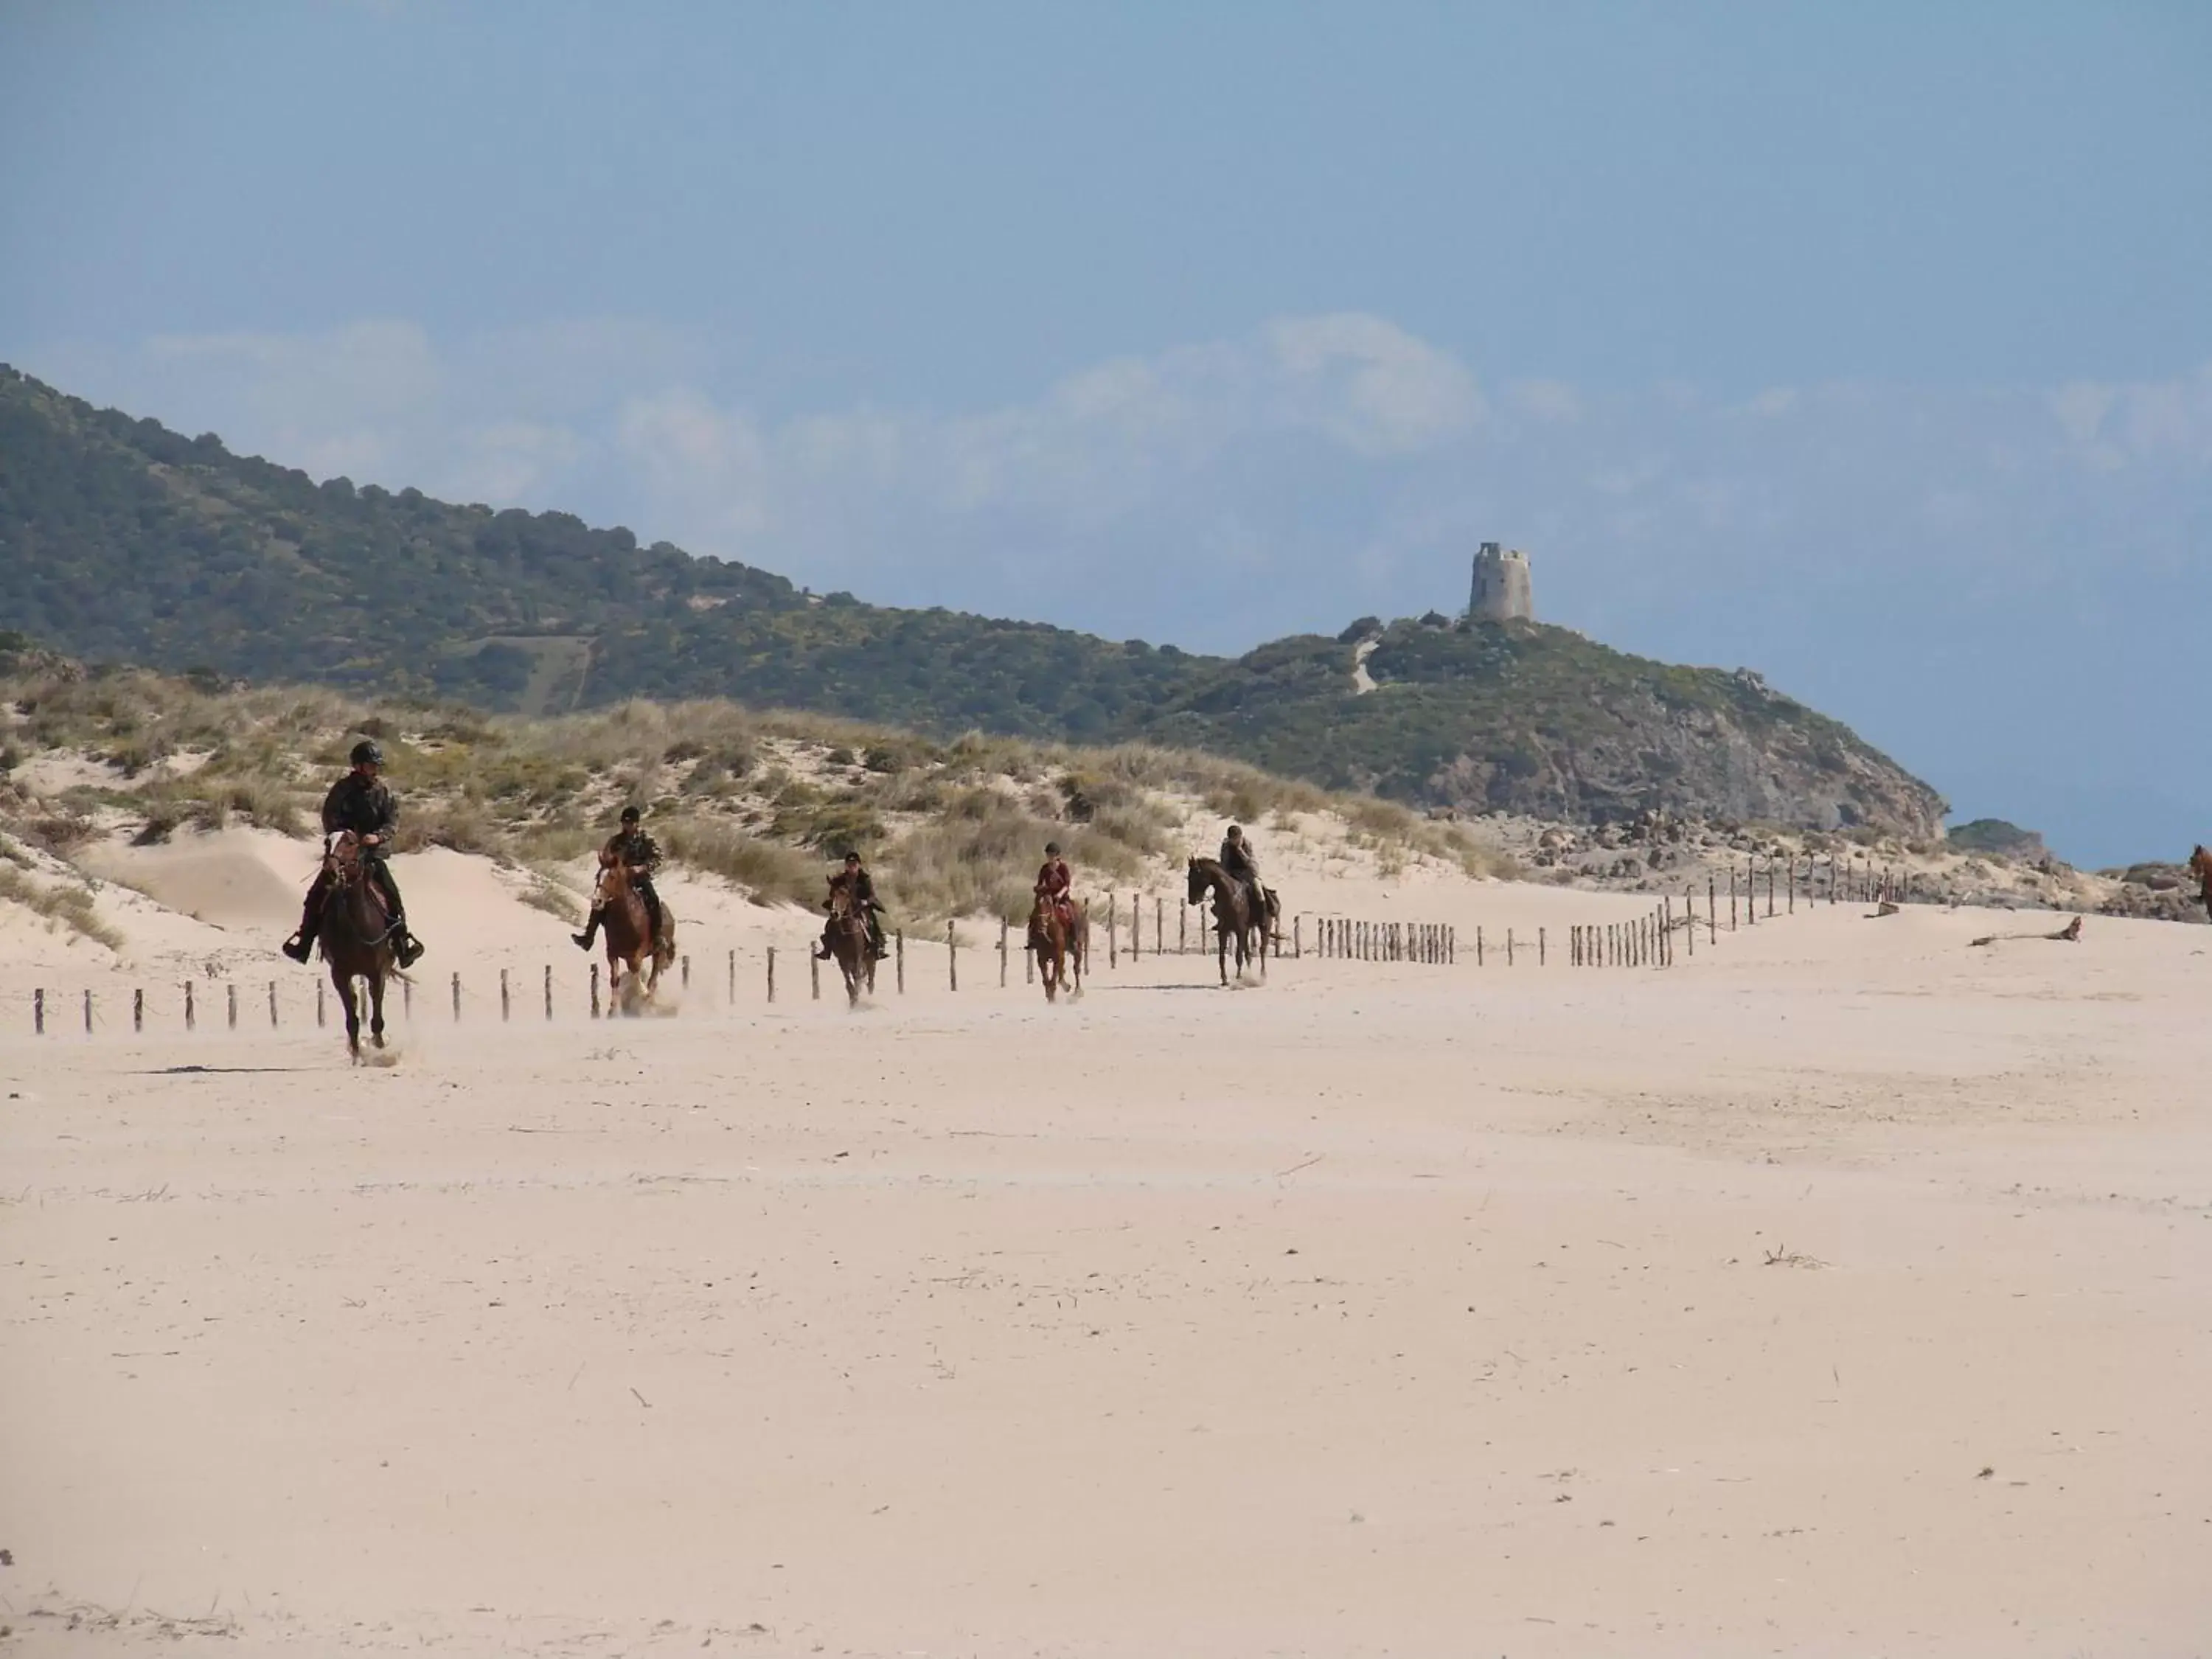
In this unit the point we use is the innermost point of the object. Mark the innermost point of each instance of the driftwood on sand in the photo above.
(2070, 932)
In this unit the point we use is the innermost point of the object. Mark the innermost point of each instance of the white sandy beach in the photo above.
(1840, 1291)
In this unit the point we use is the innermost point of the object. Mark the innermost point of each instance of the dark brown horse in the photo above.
(2200, 865)
(1235, 917)
(356, 931)
(848, 942)
(632, 951)
(1062, 943)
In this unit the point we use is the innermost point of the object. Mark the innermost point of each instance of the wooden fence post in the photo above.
(733, 979)
(88, 1010)
(1477, 946)
(1543, 948)
(189, 1021)
(1451, 944)
(39, 1012)
(1002, 953)
(549, 990)
(138, 1005)
(272, 1005)
(771, 973)
(322, 1017)
(230, 999)
(899, 956)
(1298, 938)
(407, 999)
(457, 996)
(1113, 932)
(506, 1007)
(814, 975)
(684, 966)
(1159, 924)
(595, 990)
(952, 957)
(1770, 887)
(1509, 947)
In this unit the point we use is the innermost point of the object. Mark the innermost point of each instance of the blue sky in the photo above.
(1870, 345)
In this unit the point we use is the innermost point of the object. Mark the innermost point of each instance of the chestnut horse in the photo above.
(356, 931)
(631, 950)
(1062, 943)
(2200, 865)
(848, 942)
(1234, 916)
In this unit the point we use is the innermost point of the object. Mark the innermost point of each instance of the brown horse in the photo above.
(1234, 916)
(631, 950)
(2200, 865)
(356, 931)
(1062, 943)
(848, 942)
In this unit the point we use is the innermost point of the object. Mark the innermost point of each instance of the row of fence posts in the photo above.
(1646, 941)
(1342, 938)
(1850, 880)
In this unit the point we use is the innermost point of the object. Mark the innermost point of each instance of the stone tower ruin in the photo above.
(1501, 591)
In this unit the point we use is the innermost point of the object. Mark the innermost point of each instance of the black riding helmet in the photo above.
(629, 815)
(1236, 834)
(852, 857)
(1052, 849)
(366, 753)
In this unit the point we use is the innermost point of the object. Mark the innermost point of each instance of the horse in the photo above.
(631, 950)
(1062, 945)
(1234, 917)
(848, 942)
(356, 931)
(2200, 865)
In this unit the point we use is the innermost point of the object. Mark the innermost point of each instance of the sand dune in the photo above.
(1839, 1291)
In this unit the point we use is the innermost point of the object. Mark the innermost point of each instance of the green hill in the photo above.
(121, 540)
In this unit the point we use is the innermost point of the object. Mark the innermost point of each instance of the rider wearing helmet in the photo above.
(640, 854)
(360, 802)
(854, 879)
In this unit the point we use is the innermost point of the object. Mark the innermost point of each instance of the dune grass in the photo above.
(763, 800)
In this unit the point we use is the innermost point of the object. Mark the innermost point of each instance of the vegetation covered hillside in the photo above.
(121, 540)
(952, 829)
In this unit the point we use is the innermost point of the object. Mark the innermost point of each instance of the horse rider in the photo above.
(854, 881)
(640, 854)
(1055, 884)
(360, 802)
(1241, 865)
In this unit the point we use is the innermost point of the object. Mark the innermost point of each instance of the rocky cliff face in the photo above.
(1693, 762)
(1538, 721)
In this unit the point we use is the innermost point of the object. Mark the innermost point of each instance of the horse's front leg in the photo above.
(352, 1011)
(376, 1009)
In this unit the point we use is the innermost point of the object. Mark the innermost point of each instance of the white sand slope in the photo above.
(1839, 1292)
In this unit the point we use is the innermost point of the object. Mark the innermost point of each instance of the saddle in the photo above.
(346, 862)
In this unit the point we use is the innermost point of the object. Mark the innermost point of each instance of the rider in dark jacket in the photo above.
(640, 854)
(854, 879)
(1241, 864)
(360, 803)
